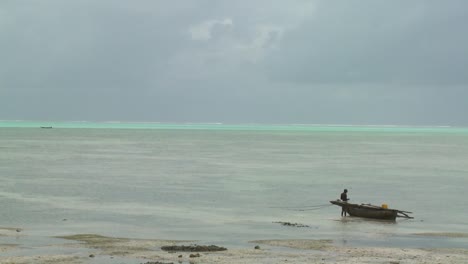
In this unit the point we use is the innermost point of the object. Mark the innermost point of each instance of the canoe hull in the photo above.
(375, 214)
(367, 211)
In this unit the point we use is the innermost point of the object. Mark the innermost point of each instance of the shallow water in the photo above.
(228, 186)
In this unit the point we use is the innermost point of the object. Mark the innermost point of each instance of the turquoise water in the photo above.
(227, 184)
(219, 126)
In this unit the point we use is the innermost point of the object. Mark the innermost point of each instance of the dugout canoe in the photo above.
(371, 211)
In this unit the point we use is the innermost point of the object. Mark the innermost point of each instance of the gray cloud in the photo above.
(353, 62)
(401, 42)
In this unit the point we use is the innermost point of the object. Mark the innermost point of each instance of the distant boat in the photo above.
(46, 127)
(371, 211)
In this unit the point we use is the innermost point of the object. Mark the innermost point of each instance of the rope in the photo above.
(311, 209)
(304, 208)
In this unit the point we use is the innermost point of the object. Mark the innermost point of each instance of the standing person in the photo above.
(344, 198)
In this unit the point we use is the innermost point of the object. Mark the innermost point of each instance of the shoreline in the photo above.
(95, 248)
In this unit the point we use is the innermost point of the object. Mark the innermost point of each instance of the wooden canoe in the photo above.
(370, 211)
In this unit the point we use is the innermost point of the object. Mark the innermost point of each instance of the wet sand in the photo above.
(94, 248)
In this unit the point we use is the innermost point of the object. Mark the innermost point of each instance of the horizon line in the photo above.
(237, 124)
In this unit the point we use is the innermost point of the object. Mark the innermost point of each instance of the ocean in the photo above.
(229, 184)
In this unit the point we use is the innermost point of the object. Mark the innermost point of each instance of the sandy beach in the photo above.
(94, 248)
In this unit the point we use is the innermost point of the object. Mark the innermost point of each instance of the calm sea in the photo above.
(228, 184)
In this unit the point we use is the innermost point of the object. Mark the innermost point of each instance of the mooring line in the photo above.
(311, 209)
(305, 207)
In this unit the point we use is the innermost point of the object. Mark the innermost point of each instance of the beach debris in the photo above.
(443, 234)
(257, 247)
(115, 246)
(18, 230)
(91, 256)
(158, 262)
(180, 256)
(193, 248)
(320, 244)
(291, 224)
(195, 255)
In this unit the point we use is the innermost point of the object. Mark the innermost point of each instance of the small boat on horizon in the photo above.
(46, 127)
(371, 211)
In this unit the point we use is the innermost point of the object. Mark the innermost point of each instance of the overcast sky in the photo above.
(374, 62)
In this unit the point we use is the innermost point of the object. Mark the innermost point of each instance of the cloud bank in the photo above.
(352, 62)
